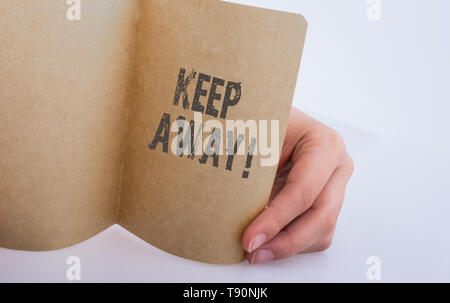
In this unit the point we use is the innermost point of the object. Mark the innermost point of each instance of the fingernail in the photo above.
(256, 242)
(261, 256)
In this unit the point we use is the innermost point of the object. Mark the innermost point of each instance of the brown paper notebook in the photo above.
(93, 114)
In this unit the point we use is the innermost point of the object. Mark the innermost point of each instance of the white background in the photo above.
(385, 86)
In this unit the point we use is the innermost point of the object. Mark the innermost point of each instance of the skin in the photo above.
(307, 194)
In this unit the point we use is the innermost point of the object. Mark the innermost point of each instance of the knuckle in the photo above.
(291, 248)
(277, 219)
(303, 195)
(328, 224)
(349, 164)
(333, 139)
(327, 137)
(325, 244)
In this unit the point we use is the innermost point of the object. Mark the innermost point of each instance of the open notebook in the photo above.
(90, 113)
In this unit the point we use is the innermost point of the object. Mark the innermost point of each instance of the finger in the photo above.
(313, 230)
(321, 245)
(307, 178)
(298, 125)
(280, 180)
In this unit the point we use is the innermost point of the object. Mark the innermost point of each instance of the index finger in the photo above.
(308, 177)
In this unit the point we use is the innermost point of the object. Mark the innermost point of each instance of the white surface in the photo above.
(385, 86)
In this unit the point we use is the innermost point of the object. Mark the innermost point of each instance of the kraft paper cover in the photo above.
(62, 104)
(82, 103)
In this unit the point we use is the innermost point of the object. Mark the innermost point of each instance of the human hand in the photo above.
(307, 194)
